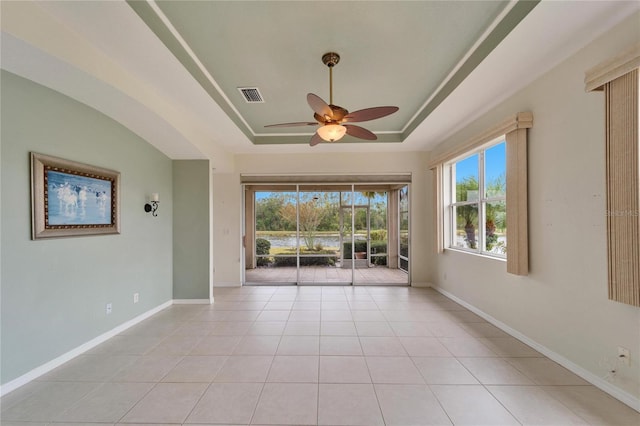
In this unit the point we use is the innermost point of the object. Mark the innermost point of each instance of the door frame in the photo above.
(249, 222)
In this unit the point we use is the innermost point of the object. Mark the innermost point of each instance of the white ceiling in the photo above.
(183, 98)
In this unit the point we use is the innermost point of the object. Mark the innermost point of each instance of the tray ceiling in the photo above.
(407, 54)
(169, 70)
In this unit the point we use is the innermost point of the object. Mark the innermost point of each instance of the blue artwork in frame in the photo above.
(73, 199)
(77, 200)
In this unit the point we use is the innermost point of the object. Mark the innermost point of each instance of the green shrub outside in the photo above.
(379, 247)
(378, 235)
(263, 247)
(376, 247)
(359, 247)
(308, 261)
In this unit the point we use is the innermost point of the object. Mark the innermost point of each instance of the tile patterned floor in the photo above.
(314, 355)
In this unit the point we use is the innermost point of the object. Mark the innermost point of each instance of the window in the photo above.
(477, 201)
(497, 159)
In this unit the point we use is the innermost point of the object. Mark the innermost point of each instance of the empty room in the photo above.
(319, 213)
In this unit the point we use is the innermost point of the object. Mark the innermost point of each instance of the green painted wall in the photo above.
(191, 228)
(54, 292)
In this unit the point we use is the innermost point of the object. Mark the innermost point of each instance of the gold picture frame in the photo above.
(72, 199)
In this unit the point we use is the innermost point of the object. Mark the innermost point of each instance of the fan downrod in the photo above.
(330, 59)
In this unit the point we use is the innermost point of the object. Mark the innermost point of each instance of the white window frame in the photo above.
(514, 128)
(481, 201)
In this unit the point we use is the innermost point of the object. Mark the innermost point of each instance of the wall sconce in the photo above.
(152, 205)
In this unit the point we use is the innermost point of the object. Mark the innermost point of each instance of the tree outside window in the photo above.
(478, 201)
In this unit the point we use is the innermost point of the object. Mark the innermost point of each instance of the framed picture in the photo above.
(70, 199)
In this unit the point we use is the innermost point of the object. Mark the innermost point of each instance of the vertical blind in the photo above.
(618, 78)
(623, 221)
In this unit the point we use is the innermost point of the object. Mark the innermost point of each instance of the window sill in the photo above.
(472, 253)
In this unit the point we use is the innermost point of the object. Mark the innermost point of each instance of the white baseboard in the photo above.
(420, 285)
(191, 301)
(595, 380)
(56, 362)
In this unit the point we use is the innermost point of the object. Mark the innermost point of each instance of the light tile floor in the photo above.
(314, 355)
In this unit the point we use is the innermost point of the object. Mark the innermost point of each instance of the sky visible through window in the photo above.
(262, 195)
(360, 198)
(467, 168)
(496, 162)
(495, 159)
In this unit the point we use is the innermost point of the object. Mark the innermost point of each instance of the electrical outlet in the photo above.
(624, 356)
(136, 297)
(109, 308)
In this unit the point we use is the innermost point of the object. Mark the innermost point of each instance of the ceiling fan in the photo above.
(332, 118)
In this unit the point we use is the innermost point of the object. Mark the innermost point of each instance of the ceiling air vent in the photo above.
(251, 95)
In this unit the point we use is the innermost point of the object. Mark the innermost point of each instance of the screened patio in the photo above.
(329, 233)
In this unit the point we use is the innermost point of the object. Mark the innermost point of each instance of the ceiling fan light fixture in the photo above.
(331, 117)
(332, 132)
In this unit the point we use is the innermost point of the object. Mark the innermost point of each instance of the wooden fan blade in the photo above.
(360, 132)
(319, 106)
(370, 113)
(315, 140)
(296, 124)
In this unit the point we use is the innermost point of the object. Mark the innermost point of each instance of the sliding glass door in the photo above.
(326, 234)
(403, 226)
(319, 238)
(373, 237)
(271, 255)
